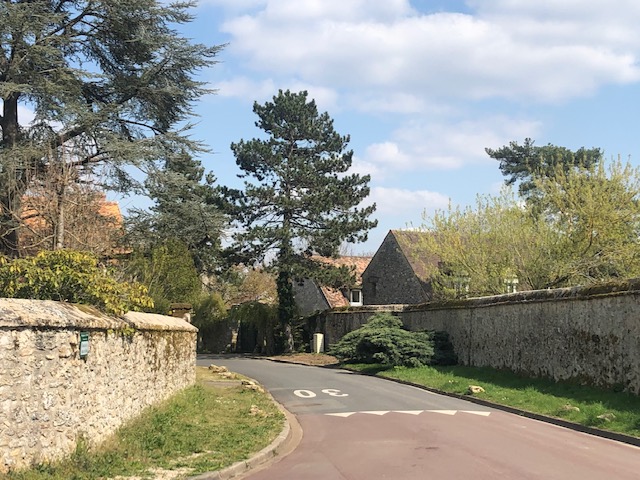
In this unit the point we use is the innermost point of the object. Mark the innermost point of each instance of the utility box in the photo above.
(318, 343)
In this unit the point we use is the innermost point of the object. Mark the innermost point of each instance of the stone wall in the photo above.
(49, 396)
(589, 335)
(389, 278)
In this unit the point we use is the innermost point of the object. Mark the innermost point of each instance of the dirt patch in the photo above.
(317, 359)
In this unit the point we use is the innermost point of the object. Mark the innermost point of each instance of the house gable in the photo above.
(399, 271)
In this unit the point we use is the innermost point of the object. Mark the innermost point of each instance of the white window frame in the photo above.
(351, 299)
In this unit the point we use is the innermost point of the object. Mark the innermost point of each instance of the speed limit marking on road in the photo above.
(332, 392)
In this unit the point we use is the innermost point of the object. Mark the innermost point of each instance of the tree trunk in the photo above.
(60, 218)
(10, 198)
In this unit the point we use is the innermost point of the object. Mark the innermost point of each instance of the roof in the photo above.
(415, 248)
(335, 297)
(359, 263)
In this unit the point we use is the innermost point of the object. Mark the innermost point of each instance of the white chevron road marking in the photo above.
(409, 412)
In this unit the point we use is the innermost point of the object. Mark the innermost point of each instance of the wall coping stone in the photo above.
(27, 313)
(628, 287)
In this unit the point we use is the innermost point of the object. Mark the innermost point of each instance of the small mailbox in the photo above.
(84, 344)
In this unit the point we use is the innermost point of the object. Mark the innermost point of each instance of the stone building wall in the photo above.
(49, 396)
(389, 277)
(588, 335)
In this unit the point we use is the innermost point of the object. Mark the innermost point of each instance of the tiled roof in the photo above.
(334, 296)
(360, 263)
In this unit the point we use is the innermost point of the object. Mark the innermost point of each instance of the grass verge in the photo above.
(605, 409)
(205, 427)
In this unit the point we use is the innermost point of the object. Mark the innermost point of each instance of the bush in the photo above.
(70, 276)
(383, 340)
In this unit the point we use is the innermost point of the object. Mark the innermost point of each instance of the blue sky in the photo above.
(424, 86)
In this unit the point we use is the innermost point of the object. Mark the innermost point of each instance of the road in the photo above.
(364, 428)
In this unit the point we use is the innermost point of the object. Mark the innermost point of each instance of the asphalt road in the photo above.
(364, 428)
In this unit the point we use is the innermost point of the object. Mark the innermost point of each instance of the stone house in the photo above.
(400, 271)
(311, 297)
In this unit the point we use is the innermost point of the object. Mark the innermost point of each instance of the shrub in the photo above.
(70, 276)
(383, 340)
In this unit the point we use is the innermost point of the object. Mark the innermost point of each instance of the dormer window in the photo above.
(355, 297)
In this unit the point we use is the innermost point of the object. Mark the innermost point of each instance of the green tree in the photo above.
(168, 271)
(209, 315)
(527, 162)
(186, 209)
(111, 84)
(596, 213)
(298, 198)
(486, 249)
(583, 229)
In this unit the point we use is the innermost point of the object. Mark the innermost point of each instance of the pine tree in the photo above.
(299, 199)
(111, 83)
(528, 162)
(186, 208)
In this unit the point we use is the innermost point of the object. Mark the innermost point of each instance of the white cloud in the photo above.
(396, 200)
(445, 144)
(264, 90)
(498, 53)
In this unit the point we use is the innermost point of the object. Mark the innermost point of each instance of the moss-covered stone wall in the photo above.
(591, 335)
(50, 396)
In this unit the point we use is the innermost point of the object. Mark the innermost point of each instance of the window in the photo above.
(355, 297)
(511, 285)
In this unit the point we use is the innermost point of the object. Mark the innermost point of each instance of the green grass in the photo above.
(537, 395)
(203, 428)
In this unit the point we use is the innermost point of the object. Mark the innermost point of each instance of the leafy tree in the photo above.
(483, 249)
(69, 276)
(597, 215)
(302, 200)
(384, 340)
(583, 229)
(169, 273)
(111, 84)
(527, 162)
(186, 209)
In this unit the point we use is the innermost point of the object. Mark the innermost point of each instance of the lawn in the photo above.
(594, 407)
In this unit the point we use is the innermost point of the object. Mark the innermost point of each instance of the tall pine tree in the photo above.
(299, 199)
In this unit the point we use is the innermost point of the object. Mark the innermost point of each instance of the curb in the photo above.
(283, 444)
(618, 437)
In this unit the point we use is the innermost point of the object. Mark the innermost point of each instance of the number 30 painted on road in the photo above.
(329, 391)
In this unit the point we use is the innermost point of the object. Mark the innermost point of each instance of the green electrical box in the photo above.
(84, 344)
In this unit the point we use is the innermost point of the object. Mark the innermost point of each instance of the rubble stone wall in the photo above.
(50, 396)
(590, 335)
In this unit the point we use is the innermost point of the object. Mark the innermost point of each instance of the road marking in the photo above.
(409, 412)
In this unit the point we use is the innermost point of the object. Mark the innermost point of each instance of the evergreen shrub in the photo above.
(383, 340)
